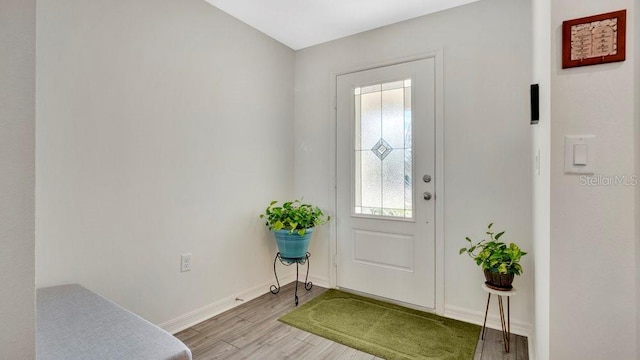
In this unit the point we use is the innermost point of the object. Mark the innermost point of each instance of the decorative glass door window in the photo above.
(382, 149)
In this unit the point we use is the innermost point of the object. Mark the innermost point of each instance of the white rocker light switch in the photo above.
(579, 154)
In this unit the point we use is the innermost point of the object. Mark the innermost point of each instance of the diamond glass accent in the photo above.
(382, 149)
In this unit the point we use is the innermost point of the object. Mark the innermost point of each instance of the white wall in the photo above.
(487, 72)
(593, 305)
(541, 134)
(17, 178)
(163, 127)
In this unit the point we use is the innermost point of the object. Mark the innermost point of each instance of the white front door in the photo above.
(386, 182)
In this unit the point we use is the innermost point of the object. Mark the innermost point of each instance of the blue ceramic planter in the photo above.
(293, 246)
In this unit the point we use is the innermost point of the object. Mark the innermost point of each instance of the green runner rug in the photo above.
(385, 330)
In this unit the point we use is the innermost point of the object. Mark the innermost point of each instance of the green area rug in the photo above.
(385, 330)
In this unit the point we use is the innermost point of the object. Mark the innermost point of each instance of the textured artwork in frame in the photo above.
(594, 39)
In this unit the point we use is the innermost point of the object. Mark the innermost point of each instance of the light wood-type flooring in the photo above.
(252, 331)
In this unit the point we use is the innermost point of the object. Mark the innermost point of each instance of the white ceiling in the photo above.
(302, 23)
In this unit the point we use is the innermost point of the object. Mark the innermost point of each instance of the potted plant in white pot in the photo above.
(500, 262)
(292, 225)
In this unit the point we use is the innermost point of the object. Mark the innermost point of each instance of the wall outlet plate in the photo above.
(185, 262)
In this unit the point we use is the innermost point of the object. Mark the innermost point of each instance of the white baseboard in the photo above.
(319, 280)
(208, 311)
(532, 345)
(493, 320)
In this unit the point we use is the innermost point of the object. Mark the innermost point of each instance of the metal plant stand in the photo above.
(286, 262)
(505, 319)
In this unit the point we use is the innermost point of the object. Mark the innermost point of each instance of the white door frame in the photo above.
(437, 55)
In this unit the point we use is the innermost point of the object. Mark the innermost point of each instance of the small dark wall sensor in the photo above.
(535, 104)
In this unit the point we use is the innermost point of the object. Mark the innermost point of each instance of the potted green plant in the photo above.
(499, 261)
(292, 225)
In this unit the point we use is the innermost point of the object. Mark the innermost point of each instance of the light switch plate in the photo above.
(579, 154)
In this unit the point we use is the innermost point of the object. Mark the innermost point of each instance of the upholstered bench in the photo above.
(76, 323)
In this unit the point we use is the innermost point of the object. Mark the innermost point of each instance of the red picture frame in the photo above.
(594, 39)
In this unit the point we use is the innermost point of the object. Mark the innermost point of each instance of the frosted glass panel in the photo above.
(371, 183)
(393, 181)
(358, 177)
(382, 149)
(407, 118)
(358, 127)
(370, 120)
(408, 183)
(393, 117)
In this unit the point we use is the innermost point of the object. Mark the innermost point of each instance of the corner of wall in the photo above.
(170, 158)
(541, 158)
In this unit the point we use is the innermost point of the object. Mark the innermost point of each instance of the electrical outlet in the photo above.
(185, 262)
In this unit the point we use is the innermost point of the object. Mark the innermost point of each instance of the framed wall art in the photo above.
(594, 39)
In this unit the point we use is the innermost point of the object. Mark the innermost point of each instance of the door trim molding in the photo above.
(438, 56)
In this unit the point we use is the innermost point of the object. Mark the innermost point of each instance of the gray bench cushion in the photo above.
(75, 323)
